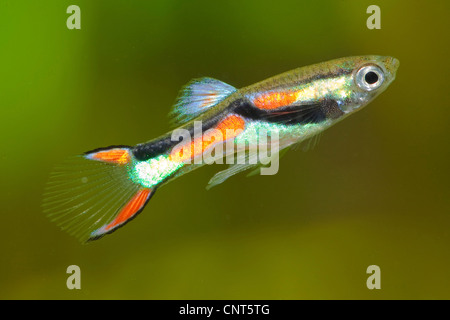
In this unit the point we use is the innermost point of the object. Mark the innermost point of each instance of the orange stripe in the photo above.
(119, 156)
(274, 100)
(130, 209)
(228, 128)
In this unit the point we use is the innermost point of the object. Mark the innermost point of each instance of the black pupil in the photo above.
(371, 77)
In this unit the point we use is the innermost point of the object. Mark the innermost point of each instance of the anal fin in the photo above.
(128, 212)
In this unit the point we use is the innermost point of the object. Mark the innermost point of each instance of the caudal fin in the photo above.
(92, 195)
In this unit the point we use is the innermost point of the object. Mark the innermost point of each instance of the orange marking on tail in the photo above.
(118, 156)
(274, 100)
(228, 128)
(131, 208)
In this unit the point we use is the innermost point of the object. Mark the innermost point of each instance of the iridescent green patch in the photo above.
(153, 171)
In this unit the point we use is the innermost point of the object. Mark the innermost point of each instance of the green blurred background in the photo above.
(375, 190)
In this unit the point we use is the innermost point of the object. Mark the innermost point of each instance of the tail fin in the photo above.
(92, 195)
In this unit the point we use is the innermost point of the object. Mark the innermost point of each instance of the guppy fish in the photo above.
(96, 193)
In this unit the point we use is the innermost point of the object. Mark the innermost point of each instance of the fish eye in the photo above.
(369, 77)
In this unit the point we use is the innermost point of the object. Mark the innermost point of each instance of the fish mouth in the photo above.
(391, 64)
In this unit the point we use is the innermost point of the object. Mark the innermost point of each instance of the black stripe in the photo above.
(292, 114)
(154, 148)
(145, 151)
(107, 148)
(288, 115)
(331, 74)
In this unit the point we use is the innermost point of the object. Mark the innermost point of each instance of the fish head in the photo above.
(369, 76)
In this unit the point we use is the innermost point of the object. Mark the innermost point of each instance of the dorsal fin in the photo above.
(198, 96)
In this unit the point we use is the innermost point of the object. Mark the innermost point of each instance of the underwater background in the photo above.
(373, 191)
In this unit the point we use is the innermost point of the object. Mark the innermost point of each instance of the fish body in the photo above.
(96, 193)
